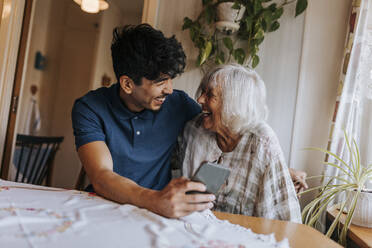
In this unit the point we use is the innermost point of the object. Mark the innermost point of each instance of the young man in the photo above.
(125, 134)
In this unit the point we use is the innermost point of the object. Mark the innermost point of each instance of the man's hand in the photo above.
(173, 202)
(299, 180)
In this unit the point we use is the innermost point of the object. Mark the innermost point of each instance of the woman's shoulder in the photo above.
(262, 132)
(265, 131)
(265, 139)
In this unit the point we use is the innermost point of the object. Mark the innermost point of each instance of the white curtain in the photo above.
(353, 112)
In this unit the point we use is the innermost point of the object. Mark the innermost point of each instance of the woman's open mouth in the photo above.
(206, 113)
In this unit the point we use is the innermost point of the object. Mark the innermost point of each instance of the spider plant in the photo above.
(352, 176)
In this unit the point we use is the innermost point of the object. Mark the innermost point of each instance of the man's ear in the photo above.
(127, 84)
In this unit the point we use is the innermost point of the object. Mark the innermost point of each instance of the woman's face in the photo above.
(211, 102)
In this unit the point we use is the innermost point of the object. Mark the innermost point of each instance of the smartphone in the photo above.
(212, 175)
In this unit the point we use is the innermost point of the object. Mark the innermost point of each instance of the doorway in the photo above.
(68, 55)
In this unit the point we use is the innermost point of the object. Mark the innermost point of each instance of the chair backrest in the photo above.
(33, 157)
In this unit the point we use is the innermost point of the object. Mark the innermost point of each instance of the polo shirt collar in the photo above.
(122, 111)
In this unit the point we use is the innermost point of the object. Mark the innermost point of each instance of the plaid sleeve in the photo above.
(277, 197)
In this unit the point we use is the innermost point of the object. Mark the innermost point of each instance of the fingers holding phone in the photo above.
(173, 202)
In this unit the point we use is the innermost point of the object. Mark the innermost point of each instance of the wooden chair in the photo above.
(80, 183)
(33, 158)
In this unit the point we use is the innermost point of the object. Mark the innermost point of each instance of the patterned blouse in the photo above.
(259, 183)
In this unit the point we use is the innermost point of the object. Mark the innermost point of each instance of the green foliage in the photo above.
(301, 6)
(352, 175)
(259, 18)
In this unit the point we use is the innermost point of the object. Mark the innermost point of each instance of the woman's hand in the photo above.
(299, 180)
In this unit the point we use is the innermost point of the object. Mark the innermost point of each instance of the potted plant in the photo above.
(251, 19)
(352, 178)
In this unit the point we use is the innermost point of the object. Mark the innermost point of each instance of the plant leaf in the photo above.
(187, 23)
(348, 218)
(257, 6)
(267, 19)
(259, 34)
(333, 155)
(255, 61)
(205, 52)
(205, 2)
(274, 26)
(259, 41)
(272, 7)
(338, 167)
(357, 155)
(309, 190)
(248, 23)
(321, 207)
(236, 5)
(253, 49)
(209, 14)
(228, 43)
(193, 34)
(278, 13)
(336, 220)
(300, 7)
(220, 58)
(353, 166)
(239, 55)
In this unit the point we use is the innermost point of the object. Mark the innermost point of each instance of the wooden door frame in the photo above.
(16, 91)
(1, 10)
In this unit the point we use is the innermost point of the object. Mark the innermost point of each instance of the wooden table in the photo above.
(357, 236)
(298, 235)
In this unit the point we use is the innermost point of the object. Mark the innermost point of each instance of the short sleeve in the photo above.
(191, 107)
(86, 124)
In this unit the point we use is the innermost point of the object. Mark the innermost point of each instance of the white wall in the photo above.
(103, 65)
(280, 55)
(77, 49)
(324, 38)
(170, 21)
(111, 18)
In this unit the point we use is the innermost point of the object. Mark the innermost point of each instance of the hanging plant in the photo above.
(253, 18)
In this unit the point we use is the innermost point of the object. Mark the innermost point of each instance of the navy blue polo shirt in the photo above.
(140, 143)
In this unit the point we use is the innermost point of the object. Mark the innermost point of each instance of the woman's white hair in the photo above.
(243, 96)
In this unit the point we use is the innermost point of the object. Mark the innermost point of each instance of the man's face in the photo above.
(151, 94)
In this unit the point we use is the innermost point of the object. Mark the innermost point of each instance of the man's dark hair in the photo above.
(141, 51)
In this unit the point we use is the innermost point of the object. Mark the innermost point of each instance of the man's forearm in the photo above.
(123, 190)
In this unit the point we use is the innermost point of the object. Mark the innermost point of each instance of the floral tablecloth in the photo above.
(34, 216)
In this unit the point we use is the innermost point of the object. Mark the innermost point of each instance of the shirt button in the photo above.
(138, 132)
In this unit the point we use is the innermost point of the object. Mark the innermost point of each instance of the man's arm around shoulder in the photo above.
(170, 202)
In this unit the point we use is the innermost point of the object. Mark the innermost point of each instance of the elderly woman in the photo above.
(232, 131)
